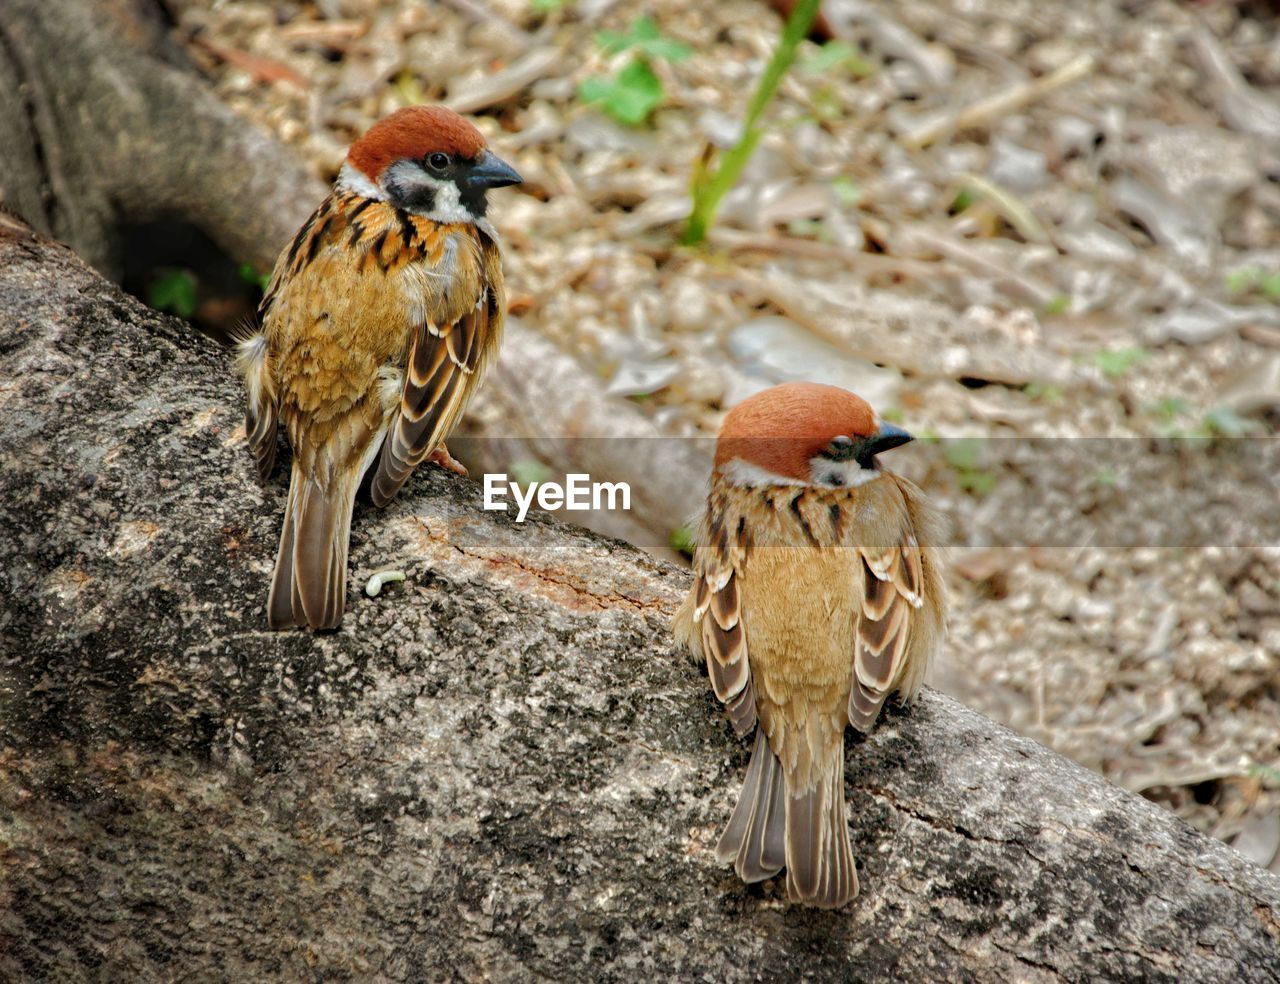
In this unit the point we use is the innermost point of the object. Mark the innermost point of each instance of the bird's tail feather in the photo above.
(755, 838)
(309, 587)
(820, 867)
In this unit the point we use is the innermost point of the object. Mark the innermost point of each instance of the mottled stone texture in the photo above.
(498, 769)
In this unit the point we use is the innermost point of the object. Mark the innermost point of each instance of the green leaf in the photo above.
(847, 193)
(548, 6)
(1267, 774)
(1225, 422)
(682, 540)
(1239, 281)
(1119, 361)
(837, 55)
(174, 291)
(630, 97)
(529, 471)
(809, 229)
(1249, 279)
(1044, 391)
(980, 483)
(1061, 304)
(964, 453)
(1106, 477)
(1170, 408)
(645, 37)
(251, 276)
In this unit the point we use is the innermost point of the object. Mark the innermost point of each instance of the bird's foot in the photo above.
(448, 462)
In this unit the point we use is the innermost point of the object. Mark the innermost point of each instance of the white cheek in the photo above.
(349, 179)
(751, 476)
(841, 474)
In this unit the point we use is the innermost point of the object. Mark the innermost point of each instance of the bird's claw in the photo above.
(448, 462)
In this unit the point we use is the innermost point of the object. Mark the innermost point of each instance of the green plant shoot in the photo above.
(709, 187)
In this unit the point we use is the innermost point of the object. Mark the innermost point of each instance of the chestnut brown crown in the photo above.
(783, 429)
(412, 133)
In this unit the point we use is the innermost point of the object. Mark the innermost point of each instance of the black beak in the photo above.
(491, 171)
(886, 438)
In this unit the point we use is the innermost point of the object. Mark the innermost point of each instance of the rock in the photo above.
(498, 769)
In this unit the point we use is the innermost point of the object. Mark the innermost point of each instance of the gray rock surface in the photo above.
(499, 769)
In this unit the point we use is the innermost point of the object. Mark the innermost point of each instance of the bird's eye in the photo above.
(839, 446)
(438, 161)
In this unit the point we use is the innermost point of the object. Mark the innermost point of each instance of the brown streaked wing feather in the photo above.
(260, 423)
(892, 584)
(435, 388)
(719, 562)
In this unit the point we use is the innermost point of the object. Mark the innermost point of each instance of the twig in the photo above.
(1038, 293)
(859, 260)
(501, 86)
(999, 104)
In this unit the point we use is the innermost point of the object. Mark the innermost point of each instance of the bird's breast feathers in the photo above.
(362, 267)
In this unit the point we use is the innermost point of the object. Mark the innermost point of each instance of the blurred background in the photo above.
(1009, 225)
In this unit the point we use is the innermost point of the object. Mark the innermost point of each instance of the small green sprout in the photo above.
(633, 94)
(682, 540)
(1048, 392)
(837, 56)
(530, 471)
(964, 455)
(1225, 422)
(809, 229)
(963, 200)
(893, 415)
(1060, 304)
(1170, 408)
(847, 193)
(1251, 280)
(1106, 477)
(548, 6)
(645, 38)
(174, 291)
(1270, 775)
(1117, 362)
(251, 276)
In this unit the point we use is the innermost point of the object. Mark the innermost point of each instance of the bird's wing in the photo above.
(438, 380)
(893, 588)
(717, 610)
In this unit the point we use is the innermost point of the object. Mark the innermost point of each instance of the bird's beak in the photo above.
(491, 171)
(886, 438)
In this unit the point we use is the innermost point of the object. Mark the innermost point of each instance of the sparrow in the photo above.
(816, 595)
(377, 327)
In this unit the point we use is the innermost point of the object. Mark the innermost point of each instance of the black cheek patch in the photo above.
(411, 198)
(473, 199)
